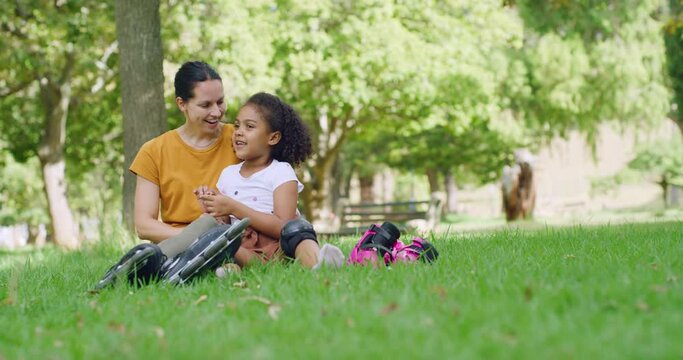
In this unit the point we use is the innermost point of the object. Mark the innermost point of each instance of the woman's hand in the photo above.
(217, 205)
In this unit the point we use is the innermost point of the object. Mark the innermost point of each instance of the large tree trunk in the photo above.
(138, 29)
(55, 99)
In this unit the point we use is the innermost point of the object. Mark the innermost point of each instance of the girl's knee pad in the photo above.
(293, 233)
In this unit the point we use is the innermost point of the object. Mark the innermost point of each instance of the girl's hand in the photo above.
(204, 190)
(217, 205)
(201, 191)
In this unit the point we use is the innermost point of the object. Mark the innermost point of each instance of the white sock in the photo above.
(331, 256)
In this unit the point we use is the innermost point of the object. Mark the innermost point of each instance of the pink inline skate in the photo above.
(382, 242)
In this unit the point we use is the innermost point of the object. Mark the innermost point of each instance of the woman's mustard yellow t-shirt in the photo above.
(178, 169)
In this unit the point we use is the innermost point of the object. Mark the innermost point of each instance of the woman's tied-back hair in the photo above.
(295, 145)
(191, 73)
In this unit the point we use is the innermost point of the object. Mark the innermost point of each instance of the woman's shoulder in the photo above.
(173, 136)
(169, 137)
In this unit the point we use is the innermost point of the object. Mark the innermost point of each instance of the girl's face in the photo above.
(206, 108)
(253, 137)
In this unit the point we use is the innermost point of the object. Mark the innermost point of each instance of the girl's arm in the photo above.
(146, 213)
(285, 199)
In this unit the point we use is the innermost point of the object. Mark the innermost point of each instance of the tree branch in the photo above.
(104, 77)
(4, 92)
(101, 81)
(21, 12)
(68, 67)
(13, 31)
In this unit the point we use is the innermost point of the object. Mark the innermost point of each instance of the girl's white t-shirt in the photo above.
(256, 191)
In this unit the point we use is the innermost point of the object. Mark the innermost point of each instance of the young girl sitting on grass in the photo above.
(270, 138)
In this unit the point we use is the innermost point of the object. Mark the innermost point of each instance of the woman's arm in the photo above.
(285, 199)
(147, 222)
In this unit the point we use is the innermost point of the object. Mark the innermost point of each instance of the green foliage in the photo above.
(673, 39)
(608, 184)
(660, 162)
(592, 20)
(450, 85)
(353, 65)
(21, 192)
(458, 121)
(592, 61)
(235, 37)
(476, 154)
(69, 42)
(663, 159)
(355, 70)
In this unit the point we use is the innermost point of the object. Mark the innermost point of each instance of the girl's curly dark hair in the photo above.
(295, 145)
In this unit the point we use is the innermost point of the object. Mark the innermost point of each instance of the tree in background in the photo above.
(21, 195)
(60, 59)
(664, 161)
(438, 72)
(345, 66)
(660, 162)
(363, 68)
(447, 88)
(462, 133)
(234, 37)
(138, 29)
(590, 62)
(673, 38)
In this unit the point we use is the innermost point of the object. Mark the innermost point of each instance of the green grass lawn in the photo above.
(568, 293)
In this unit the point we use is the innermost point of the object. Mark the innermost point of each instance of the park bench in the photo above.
(356, 218)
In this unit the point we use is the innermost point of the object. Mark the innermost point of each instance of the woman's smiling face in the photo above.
(206, 107)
